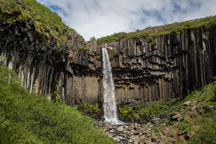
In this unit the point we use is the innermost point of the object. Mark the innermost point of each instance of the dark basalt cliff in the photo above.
(166, 66)
(46, 67)
(171, 66)
(145, 69)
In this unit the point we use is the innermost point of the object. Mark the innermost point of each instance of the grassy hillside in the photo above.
(45, 21)
(162, 30)
(26, 118)
(190, 120)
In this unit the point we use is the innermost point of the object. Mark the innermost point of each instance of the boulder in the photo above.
(141, 130)
(116, 139)
(121, 128)
(155, 120)
(188, 103)
(177, 117)
(130, 141)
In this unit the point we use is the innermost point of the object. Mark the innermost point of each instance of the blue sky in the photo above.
(104, 17)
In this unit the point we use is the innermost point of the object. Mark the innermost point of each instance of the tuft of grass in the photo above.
(26, 118)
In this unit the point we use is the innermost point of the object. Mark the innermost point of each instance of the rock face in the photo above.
(48, 68)
(145, 69)
(171, 66)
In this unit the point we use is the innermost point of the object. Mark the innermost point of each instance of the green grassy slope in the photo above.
(162, 30)
(197, 123)
(26, 118)
(46, 22)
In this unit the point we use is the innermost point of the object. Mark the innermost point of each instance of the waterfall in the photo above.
(110, 110)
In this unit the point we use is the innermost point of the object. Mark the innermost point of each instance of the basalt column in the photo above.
(165, 66)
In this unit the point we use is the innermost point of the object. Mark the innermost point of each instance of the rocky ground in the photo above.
(131, 133)
(172, 127)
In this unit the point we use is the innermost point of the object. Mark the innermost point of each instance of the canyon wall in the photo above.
(145, 69)
(47, 68)
(168, 66)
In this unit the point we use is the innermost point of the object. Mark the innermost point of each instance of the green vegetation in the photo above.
(177, 28)
(185, 126)
(207, 132)
(156, 108)
(92, 39)
(198, 119)
(26, 118)
(112, 38)
(83, 48)
(197, 123)
(92, 110)
(143, 111)
(46, 22)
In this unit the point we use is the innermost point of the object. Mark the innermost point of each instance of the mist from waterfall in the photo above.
(110, 110)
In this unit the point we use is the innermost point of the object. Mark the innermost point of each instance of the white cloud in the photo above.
(104, 17)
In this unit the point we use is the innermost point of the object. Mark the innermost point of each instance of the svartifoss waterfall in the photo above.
(110, 111)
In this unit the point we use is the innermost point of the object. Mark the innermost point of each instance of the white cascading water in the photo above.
(110, 110)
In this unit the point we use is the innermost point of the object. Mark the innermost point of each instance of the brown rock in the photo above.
(130, 141)
(191, 114)
(141, 130)
(193, 108)
(177, 117)
(121, 128)
(188, 103)
(116, 139)
(110, 135)
(195, 113)
(167, 131)
(201, 111)
(155, 120)
(132, 132)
